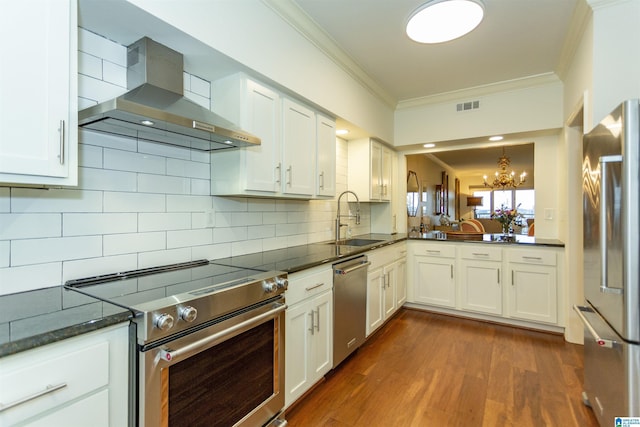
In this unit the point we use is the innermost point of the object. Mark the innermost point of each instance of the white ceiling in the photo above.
(516, 39)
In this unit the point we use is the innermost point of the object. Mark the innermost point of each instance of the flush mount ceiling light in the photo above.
(439, 21)
(496, 138)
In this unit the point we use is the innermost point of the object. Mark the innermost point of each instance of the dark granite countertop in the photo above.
(518, 239)
(36, 318)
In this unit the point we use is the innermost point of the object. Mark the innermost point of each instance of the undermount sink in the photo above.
(354, 242)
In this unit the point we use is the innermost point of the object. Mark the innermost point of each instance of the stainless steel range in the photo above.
(210, 341)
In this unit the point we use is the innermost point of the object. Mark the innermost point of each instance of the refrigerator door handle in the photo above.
(604, 178)
(598, 338)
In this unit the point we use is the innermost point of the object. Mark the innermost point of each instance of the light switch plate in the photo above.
(548, 213)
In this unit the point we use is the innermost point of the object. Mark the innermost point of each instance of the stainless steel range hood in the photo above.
(155, 108)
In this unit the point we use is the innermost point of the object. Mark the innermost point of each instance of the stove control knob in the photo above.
(164, 322)
(282, 283)
(269, 286)
(188, 313)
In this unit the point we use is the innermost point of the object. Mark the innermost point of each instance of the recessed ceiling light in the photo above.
(496, 138)
(147, 122)
(429, 145)
(342, 131)
(439, 21)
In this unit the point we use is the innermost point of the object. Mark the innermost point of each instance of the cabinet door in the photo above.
(322, 336)
(386, 168)
(263, 119)
(374, 300)
(376, 171)
(38, 131)
(401, 281)
(389, 290)
(480, 286)
(533, 293)
(326, 155)
(298, 149)
(298, 335)
(435, 281)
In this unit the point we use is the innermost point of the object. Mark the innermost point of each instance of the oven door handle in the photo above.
(170, 355)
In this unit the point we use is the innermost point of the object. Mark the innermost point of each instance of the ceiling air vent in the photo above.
(469, 105)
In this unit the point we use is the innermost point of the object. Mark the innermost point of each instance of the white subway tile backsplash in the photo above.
(230, 204)
(78, 269)
(200, 86)
(187, 168)
(202, 220)
(261, 231)
(4, 254)
(177, 203)
(103, 179)
(200, 100)
(28, 278)
(164, 221)
(98, 90)
(246, 247)
(246, 218)
(5, 199)
(133, 202)
(274, 217)
(90, 65)
(261, 205)
(229, 234)
(134, 162)
(21, 226)
(163, 184)
(171, 256)
(88, 224)
(99, 46)
(200, 187)
(117, 244)
(168, 151)
(28, 200)
(89, 156)
(221, 250)
(35, 251)
(107, 140)
(114, 74)
(188, 238)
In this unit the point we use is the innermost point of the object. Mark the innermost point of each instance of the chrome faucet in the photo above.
(357, 216)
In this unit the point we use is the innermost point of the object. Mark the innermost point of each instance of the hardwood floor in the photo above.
(426, 369)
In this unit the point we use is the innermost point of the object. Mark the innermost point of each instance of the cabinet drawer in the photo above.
(307, 283)
(76, 373)
(481, 252)
(436, 250)
(533, 257)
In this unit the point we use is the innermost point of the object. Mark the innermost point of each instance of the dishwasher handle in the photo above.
(348, 270)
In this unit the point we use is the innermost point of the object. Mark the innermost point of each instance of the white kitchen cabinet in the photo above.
(533, 287)
(298, 149)
(309, 330)
(386, 284)
(434, 266)
(82, 380)
(370, 166)
(325, 156)
(38, 87)
(285, 164)
(481, 278)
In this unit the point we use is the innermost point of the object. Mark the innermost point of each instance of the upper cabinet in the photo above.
(292, 160)
(370, 170)
(38, 87)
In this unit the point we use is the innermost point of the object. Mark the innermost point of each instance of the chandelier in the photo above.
(504, 179)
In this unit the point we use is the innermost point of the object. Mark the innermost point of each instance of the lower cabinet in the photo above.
(509, 283)
(80, 381)
(308, 330)
(533, 287)
(386, 284)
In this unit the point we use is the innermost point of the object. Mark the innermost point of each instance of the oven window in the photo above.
(221, 385)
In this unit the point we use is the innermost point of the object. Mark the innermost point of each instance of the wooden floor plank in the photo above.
(424, 369)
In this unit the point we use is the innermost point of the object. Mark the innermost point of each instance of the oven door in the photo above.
(230, 373)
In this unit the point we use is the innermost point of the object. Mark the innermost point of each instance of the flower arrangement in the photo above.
(506, 216)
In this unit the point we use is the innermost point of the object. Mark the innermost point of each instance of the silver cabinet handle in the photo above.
(432, 251)
(289, 175)
(602, 342)
(604, 178)
(322, 180)
(278, 172)
(512, 280)
(61, 131)
(317, 285)
(533, 258)
(312, 326)
(451, 270)
(479, 254)
(350, 269)
(318, 319)
(498, 276)
(47, 390)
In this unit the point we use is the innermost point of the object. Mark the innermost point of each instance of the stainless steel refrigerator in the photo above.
(611, 197)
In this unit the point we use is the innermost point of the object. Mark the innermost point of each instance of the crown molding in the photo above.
(477, 91)
(292, 14)
(579, 20)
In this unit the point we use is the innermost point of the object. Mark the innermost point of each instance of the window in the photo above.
(492, 200)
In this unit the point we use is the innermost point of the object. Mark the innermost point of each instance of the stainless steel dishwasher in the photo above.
(349, 306)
